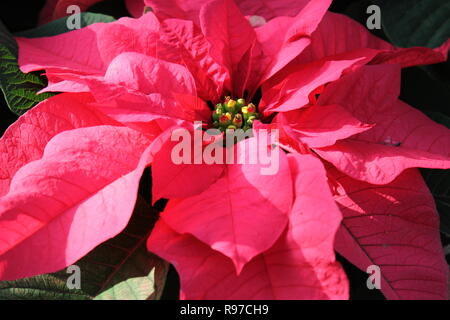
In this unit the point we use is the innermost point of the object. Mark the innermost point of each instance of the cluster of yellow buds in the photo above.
(234, 114)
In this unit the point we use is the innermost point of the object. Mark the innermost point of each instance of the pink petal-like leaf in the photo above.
(396, 228)
(371, 95)
(182, 42)
(239, 215)
(402, 136)
(62, 201)
(301, 265)
(291, 91)
(321, 126)
(26, 139)
(416, 56)
(147, 75)
(297, 32)
(140, 88)
(229, 35)
(182, 180)
(338, 33)
(104, 41)
(378, 163)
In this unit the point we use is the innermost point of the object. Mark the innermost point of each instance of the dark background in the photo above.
(418, 89)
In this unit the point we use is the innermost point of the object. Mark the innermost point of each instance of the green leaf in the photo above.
(43, 287)
(416, 23)
(18, 88)
(120, 268)
(148, 287)
(60, 26)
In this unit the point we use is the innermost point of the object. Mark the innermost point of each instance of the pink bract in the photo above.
(70, 167)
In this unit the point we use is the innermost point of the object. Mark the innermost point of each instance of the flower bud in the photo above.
(234, 114)
(237, 121)
(251, 108)
(231, 105)
(225, 119)
(245, 113)
(217, 113)
(240, 103)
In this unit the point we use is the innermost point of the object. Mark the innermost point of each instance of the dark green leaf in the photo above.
(416, 23)
(44, 287)
(20, 90)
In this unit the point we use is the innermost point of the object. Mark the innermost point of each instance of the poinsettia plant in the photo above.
(321, 86)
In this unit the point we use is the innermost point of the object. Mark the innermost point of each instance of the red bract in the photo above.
(70, 167)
